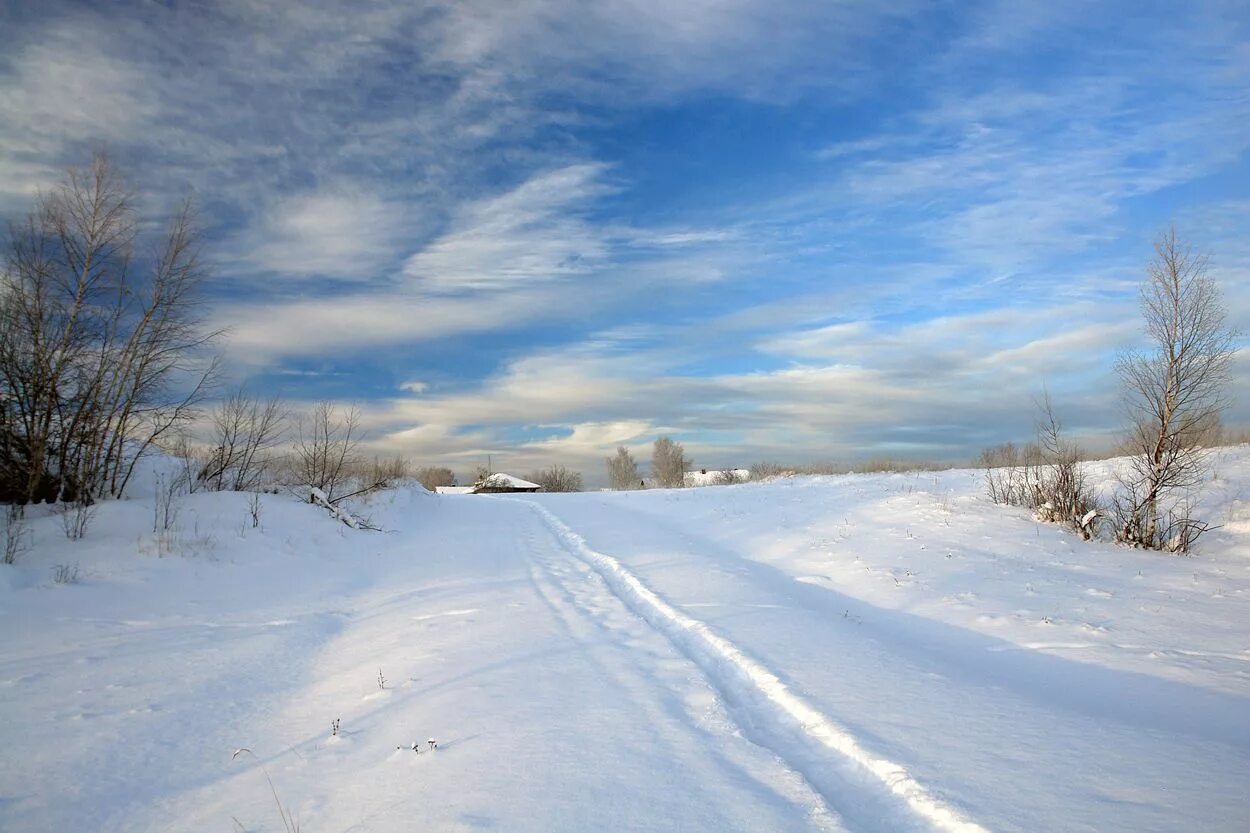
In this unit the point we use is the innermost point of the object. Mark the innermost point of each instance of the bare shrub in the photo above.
(384, 471)
(165, 509)
(245, 432)
(1061, 494)
(878, 465)
(768, 471)
(431, 477)
(16, 536)
(1005, 482)
(1175, 391)
(76, 516)
(623, 470)
(819, 468)
(1013, 473)
(65, 574)
(889, 465)
(326, 448)
(192, 460)
(254, 508)
(729, 477)
(557, 479)
(668, 464)
(1045, 476)
(166, 505)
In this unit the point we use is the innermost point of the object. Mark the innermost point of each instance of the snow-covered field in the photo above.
(860, 652)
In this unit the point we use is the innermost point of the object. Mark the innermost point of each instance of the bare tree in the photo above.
(431, 477)
(100, 340)
(623, 470)
(1175, 391)
(326, 448)
(1060, 493)
(668, 463)
(245, 432)
(557, 479)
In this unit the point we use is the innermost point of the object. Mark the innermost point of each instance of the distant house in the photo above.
(501, 483)
(713, 477)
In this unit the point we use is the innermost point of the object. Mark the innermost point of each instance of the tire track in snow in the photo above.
(862, 786)
(579, 597)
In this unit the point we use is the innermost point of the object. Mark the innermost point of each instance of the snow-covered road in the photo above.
(851, 654)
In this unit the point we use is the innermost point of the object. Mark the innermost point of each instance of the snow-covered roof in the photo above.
(453, 490)
(499, 480)
(710, 477)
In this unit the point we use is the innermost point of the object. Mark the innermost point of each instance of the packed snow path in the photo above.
(1013, 740)
(856, 654)
(969, 732)
(777, 718)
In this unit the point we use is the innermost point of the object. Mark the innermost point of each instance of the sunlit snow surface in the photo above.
(862, 652)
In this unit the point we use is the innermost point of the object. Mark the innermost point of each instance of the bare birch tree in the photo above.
(101, 340)
(326, 447)
(245, 432)
(1175, 390)
(668, 463)
(623, 470)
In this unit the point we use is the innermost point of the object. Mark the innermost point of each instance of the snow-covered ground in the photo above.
(861, 652)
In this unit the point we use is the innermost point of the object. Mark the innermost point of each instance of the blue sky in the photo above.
(773, 230)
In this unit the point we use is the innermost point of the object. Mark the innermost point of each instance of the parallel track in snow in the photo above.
(870, 792)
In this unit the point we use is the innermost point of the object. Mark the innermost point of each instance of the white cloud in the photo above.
(940, 388)
(534, 232)
(50, 102)
(342, 232)
(508, 261)
(260, 333)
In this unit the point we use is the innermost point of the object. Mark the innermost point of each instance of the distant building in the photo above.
(501, 483)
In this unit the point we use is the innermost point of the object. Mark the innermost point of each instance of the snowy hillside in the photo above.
(863, 653)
